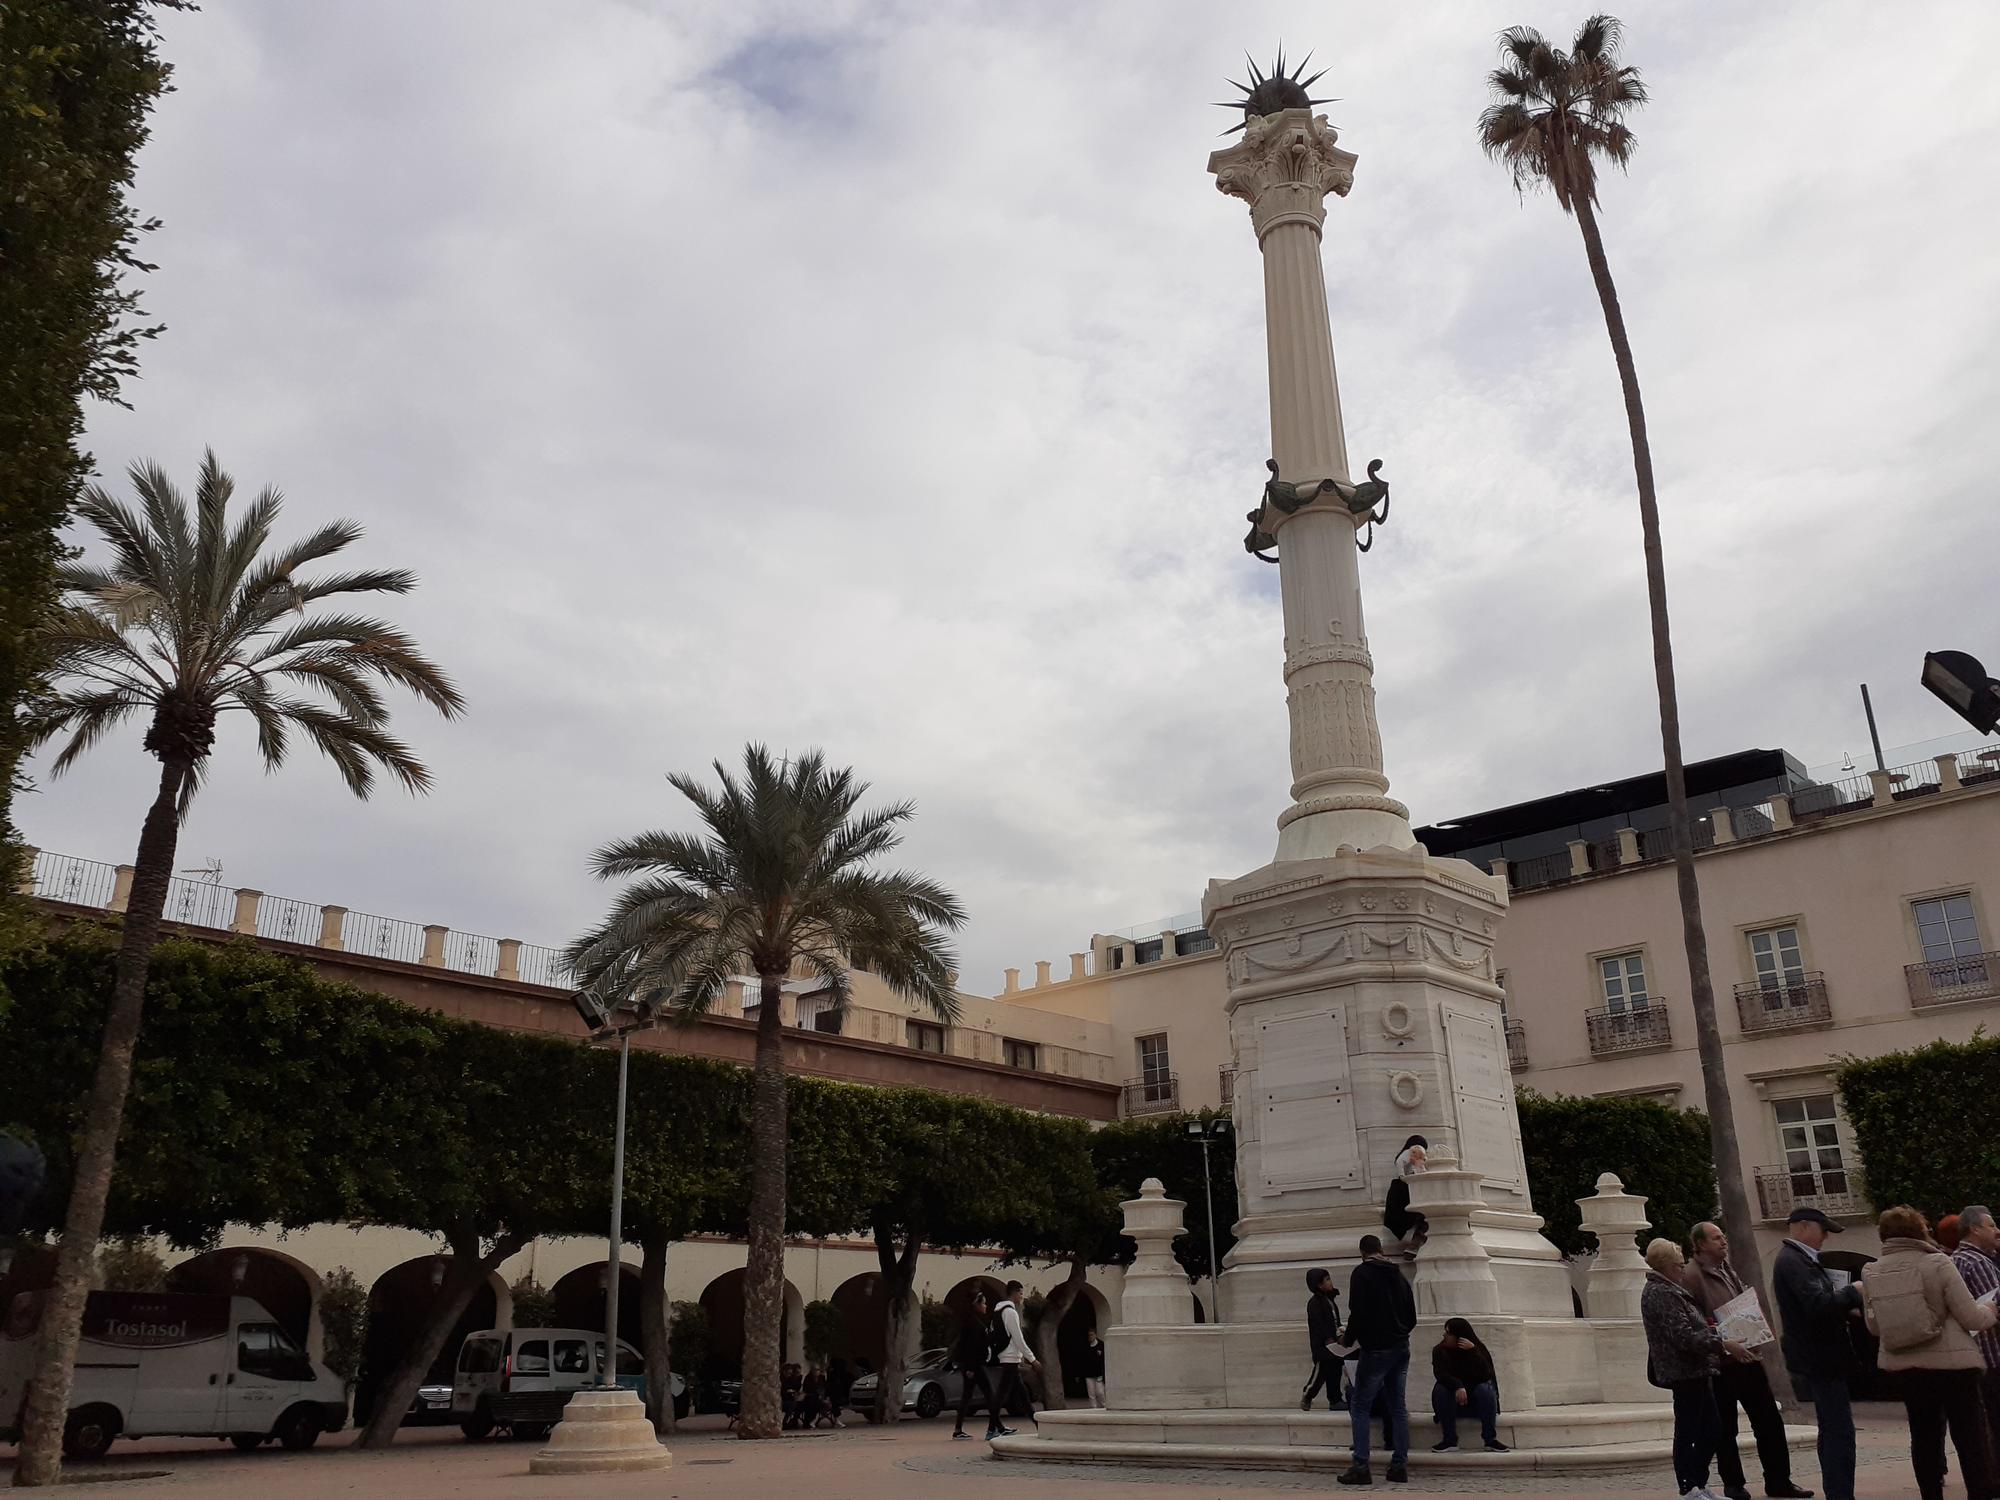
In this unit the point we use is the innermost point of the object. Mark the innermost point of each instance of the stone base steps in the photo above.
(1557, 1438)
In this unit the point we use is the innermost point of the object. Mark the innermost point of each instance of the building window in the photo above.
(1624, 978)
(924, 1036)
(1777, 960)
(1947, 928)
(1156, 1069)
(827, 1021)
(1023, 1055)
(1809, 1134)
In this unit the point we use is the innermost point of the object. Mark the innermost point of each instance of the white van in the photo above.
(521, 1378)
(173, 1364)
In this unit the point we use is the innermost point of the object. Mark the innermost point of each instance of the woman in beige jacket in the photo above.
(1917, 1305)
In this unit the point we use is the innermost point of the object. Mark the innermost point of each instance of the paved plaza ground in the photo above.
(914, 1461)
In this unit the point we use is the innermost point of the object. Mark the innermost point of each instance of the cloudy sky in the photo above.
(890, 378)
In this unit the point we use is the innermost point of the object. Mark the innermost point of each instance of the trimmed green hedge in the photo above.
(1923, 1122)
(1660, 1152)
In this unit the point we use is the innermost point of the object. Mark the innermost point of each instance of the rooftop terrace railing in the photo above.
(208, 903)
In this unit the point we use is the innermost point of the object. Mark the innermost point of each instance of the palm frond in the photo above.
(87, 717)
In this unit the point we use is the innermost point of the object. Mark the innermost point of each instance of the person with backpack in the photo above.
(1815, 1312)
(1917, 1305)
(1014, 1353)
(1323, 1341)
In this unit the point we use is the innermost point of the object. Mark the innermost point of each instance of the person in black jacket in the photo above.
(968, 1357)
(1092, 1367)
(1405, 1223)
(1816, 1314)
(1322, 1337)
(1464, 1381)
(1381, 1312)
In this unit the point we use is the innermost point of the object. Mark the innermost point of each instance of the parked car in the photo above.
(430, 1407)
(175, 1364)
(522, 1378)
(930, 1385)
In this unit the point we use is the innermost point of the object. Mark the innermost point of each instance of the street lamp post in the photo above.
(1205, 1131)
(598, 1017)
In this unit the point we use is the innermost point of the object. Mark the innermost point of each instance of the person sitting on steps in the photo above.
(1464, 1382)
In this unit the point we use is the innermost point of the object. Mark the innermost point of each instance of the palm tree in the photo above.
(1555, 116)
(780, 884)
(192, 618)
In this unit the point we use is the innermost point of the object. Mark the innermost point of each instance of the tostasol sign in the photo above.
(133, 1320)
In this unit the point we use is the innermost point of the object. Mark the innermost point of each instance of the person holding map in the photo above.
(1716, 1286)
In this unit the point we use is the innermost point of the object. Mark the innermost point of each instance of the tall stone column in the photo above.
(1284, 167)
(1362, 1003)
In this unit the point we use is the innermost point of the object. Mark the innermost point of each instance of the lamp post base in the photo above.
(602, 1432)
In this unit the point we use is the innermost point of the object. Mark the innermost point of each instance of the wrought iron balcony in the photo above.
(1780, 1190)
(1645, 1029)
(1153, 1096)
(1228, 1080)
(1799, 1000)
(1517, 1046)
(1973, 977)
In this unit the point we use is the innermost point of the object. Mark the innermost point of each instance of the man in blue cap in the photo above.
(1816, 1311)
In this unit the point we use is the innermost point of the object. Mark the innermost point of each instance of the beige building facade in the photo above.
(1847, 917)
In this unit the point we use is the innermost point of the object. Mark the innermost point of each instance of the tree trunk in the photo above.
(1048, 1346)
(764, 1268)
(1736, 1219)
(465, 1272)
(899, 1278)
(40, 1459)
(655, 1329)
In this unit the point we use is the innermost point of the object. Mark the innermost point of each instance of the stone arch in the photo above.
(859, 1301)
(722, 1299)
(1087, 1311)
(579, 1298)
(288, 1289)
(398, 1303)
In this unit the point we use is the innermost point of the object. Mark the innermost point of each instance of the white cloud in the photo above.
(891, 378)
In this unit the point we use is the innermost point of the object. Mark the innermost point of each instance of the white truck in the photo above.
(173, 1364)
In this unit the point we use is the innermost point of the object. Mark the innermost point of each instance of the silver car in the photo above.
(930, 1384)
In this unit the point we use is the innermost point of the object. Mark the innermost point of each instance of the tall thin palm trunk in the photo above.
(1736, 1220)
(97, 1141)
(764, 1268)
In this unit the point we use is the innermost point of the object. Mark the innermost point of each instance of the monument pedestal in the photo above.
(1363, 1010)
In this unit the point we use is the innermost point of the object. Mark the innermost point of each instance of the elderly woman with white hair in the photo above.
(1682, 1354)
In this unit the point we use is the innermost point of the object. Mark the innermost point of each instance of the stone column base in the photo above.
(602, 1432)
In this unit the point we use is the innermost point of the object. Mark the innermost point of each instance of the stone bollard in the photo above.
(1156, 1288)
(1615, 1217)
(602, 1432)
(1454, 1276)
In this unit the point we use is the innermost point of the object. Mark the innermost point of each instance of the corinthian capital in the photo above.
(1284, 167)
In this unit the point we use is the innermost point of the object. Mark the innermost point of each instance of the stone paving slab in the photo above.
(913, 1461)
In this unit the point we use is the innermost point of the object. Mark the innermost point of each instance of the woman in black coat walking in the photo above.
(968, 1357)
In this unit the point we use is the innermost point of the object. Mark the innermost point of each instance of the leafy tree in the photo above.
(780, 884)
(77, 82)
(191, 618)
(343, 1316)
(1655, 1149)
(129, 1263)
(534, 1304)
(1556, 115)
(1130, 1151)
(1895, 1102)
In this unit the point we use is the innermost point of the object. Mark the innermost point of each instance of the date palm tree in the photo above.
(193, 617)
(780, 884)
(1555, 116)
